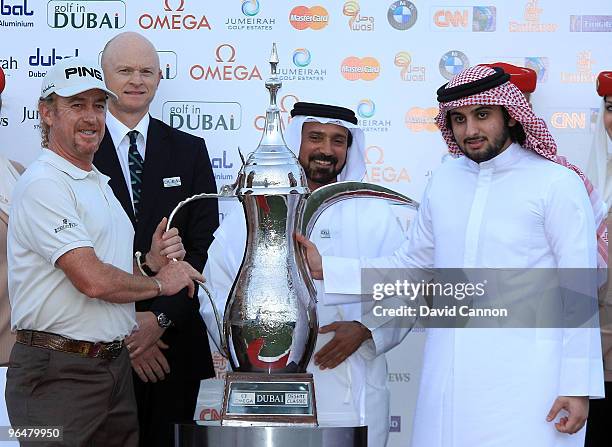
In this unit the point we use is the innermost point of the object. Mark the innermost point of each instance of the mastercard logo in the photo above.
(419, 119)
(365, 68)
(303, 17)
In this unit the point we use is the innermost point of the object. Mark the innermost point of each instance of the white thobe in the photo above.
(355, 392)
(494, 387)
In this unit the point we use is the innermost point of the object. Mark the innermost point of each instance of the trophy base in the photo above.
(210, 434)
(253, 399)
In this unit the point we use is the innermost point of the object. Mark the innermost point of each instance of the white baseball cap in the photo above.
(73, 75)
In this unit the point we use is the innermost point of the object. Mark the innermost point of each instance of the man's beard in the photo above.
(491, 150)
(322, 175)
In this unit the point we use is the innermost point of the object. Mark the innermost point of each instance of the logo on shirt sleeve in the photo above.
(65, 224)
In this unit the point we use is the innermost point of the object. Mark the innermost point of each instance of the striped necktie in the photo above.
(135, 163)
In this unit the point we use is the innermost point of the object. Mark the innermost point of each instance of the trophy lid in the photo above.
(272, 168)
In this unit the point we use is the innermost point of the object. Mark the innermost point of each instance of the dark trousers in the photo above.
(161, 405)
(600, 418)
(91, 398)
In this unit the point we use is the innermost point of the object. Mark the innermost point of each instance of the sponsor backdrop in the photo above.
(385, 59)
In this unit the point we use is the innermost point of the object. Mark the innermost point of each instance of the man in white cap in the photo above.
(70, 275)
(349, 365)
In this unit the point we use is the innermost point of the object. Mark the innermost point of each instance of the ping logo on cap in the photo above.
(83, 72)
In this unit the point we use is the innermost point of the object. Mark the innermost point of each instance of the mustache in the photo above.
(469, 140)
(322, 157)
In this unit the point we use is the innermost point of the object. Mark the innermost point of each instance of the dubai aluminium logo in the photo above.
(42, 59)
(16, 11)
(304, 17)
(402, 15)
(452, 63)
(168, 61)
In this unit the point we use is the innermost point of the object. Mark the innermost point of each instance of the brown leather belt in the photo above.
(56, 342)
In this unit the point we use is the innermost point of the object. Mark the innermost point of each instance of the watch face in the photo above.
(163, 320)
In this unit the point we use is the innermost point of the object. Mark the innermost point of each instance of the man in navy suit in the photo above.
(152, 168)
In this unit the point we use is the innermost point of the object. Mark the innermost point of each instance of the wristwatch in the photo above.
(162, 319)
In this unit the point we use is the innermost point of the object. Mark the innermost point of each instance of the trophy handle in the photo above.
(227, 192)
(329, 195)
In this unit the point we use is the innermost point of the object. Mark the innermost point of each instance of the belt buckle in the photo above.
(94, 350)
(114, 348)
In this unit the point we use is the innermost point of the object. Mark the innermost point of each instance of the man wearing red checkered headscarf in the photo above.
(515, 204)
(507, 201)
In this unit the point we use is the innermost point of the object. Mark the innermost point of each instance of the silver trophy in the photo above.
(270, 325)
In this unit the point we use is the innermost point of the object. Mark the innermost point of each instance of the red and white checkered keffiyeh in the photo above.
(538, 138)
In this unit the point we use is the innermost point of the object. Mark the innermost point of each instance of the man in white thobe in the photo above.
(349, 367)
(507, 203)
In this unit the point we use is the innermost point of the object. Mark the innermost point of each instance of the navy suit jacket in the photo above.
(172, 153)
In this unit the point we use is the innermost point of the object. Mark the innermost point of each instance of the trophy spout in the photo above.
(329, 195)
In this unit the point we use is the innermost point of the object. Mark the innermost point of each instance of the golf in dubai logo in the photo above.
(250, 8)
(452, 63)
(301, 57)
(402, 15)
(357, 22)
(366, 108)
(408, 72)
